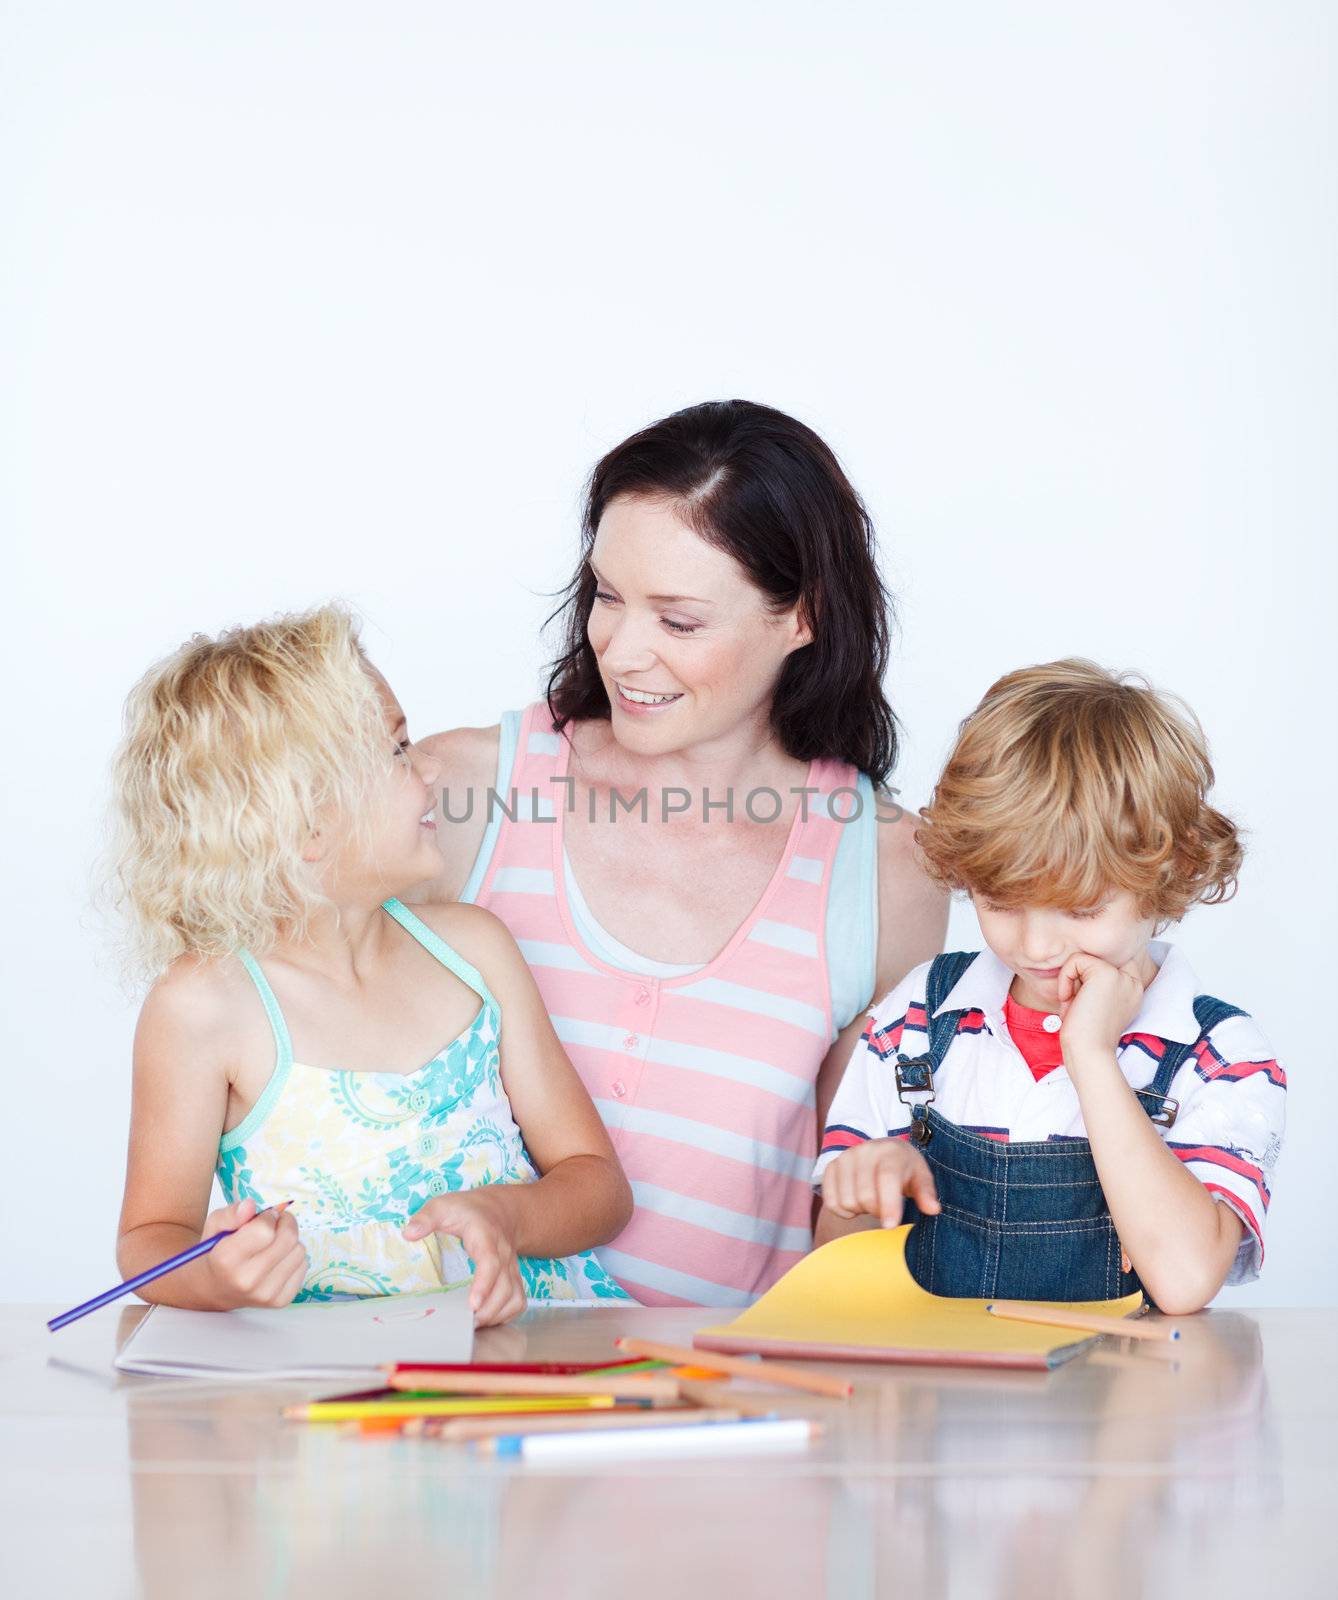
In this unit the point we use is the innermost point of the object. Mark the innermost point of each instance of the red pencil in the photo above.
(555, 1369)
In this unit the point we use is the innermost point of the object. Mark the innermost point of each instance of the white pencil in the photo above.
(691, 1439)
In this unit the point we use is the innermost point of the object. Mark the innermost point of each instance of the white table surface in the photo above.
(1124, 1473)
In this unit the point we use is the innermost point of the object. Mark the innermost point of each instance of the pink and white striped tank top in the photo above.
(706, 1081)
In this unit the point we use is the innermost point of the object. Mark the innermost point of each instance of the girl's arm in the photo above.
(582, 1198)
(178, 1107)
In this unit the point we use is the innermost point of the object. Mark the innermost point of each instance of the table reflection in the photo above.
(928, 1482)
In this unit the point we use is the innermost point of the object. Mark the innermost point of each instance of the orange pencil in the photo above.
(762, 1371)
(1085, 1321)
(641, 1386)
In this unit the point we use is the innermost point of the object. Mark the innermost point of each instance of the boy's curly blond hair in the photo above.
(236, 749)
(1067, 781)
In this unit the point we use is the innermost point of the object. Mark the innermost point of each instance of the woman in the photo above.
(671, 855)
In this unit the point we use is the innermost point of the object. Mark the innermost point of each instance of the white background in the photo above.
(312, 300)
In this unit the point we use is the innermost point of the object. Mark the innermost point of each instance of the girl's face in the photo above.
(1036, 941)
(398, 848)
(686, 646)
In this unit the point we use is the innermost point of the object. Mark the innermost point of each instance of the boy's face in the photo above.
(1036, 941)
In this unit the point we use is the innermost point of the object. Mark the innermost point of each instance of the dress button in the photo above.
(1052, 1023)
(631, 1042)
(619, 1088)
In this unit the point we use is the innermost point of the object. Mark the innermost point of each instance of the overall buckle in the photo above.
(1170, 1109)
(914, 1075)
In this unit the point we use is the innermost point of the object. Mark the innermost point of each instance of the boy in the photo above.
(1065, 1113)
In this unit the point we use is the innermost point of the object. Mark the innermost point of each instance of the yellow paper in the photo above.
(855, 1299)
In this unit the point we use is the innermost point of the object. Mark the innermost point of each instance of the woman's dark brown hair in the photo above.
(766, 490)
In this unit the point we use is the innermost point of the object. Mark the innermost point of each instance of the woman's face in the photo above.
(688, 651)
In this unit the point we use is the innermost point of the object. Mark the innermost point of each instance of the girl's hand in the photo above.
(1097, 1002)
(870, 1179)
(497, 1293)
(262, 1264)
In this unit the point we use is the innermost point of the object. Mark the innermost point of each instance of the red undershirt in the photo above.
(1040, 1050)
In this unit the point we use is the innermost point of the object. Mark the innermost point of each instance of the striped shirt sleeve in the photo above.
(862, 1107)
(1229, 1129)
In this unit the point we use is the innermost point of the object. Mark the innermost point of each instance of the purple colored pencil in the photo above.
(150, 1273)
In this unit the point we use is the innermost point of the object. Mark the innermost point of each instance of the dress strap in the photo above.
(283, 1060)
(435, 945)
(283, 1045)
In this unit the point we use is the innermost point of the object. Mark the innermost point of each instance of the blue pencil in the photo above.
(150, 1273)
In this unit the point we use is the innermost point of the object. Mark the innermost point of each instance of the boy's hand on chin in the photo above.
(1097, 1002)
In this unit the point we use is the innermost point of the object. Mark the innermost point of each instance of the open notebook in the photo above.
(339, 1338)
(855, 1300)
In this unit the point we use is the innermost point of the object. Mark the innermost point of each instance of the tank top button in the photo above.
(631, 1042)
(619, 1088)
(1052, 1023)
(642, 995)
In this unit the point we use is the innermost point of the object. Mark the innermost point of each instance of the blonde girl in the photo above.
(307, 1037)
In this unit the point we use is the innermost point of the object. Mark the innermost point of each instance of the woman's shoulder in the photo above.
(912, 907)
(469, 760)
(467, 754)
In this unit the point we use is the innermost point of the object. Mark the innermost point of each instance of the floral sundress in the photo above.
(359, 1152)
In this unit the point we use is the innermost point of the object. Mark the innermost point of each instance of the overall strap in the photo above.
(916, 1076)
(283, 1045)
(944, 971)
(437, 946)
(1208, 1013)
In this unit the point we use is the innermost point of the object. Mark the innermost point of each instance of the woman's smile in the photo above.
(639, 702)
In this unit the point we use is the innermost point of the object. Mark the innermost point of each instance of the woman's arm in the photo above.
(912, 924)
(179, 1102)
(582, 1198)
(469, 770)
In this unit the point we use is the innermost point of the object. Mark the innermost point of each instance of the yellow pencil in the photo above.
(464, 1406)
(1084, 1321)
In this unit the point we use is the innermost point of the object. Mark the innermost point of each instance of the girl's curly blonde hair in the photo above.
(236, 749)
(1069, 780)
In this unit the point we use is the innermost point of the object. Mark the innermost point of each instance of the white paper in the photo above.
(313, 1340)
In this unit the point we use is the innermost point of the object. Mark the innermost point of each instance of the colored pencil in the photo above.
(379, 1425)
(639, 1387)
(555, 1369)
(762, 1371)
(717, 1391)
(691, 1439)
(150, 1273)
(1088, 1322)
(471, 1428)
(439, 1406)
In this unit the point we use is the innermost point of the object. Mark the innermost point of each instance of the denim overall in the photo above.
(1024, 1221)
